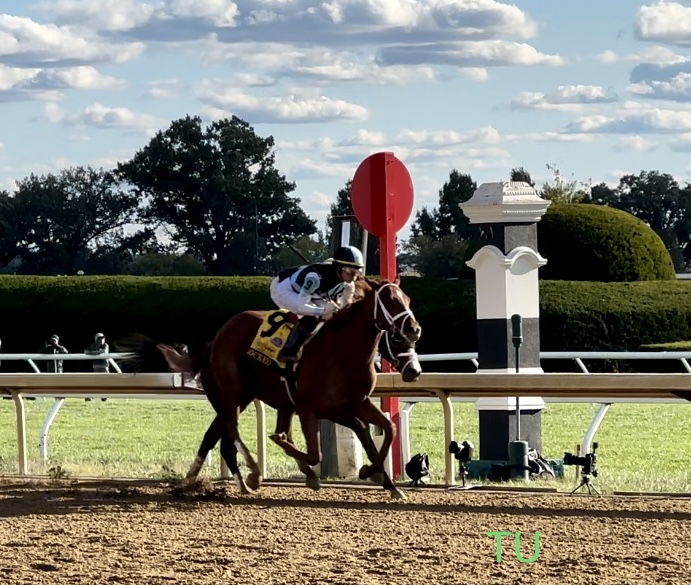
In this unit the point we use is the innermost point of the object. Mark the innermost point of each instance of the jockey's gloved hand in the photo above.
(329, 311)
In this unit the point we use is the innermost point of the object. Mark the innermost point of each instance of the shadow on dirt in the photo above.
(76, 497)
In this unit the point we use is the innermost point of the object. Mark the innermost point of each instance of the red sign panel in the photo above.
(382, 194)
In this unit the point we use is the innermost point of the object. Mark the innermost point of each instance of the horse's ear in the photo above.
(397, 280)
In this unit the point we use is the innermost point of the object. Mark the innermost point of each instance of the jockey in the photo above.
(315, 292)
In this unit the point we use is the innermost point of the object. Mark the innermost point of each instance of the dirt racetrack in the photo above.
(123, 533)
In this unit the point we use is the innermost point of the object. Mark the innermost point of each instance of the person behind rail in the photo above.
(97, 347)
(53, 347)
(100, 366)
(315, 292)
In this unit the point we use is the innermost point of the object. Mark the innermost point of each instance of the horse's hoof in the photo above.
(377, 478)
(188, 481)
(398, 495)
(365, 472)
(313, 483)
(254, 480)
(279, 438)
(242, 486)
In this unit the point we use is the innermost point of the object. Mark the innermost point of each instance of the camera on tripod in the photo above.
(587, 462)
(588, 468)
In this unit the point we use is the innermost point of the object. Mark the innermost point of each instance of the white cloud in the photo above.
(47, 84)
(104, 117)
(655, 55)
(476, 73)
(226, 100)
(676, 89)
(664, 22)
(635, 143)
(314, 65)
(548, 137)
(634, 118)
(25, 43)
(420, 150)
(474, 54)
(565, 98)
(255, 80)
(397, 40)
(163, 88)
(352, 22)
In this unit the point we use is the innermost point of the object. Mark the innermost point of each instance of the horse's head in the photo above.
(400, 353)
(391, 310)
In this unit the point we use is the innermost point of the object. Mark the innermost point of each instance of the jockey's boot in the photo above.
(301, 331)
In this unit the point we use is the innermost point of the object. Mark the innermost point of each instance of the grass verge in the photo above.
(642, 447)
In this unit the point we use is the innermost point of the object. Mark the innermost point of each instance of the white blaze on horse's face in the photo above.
(402, 354)
(392, 312)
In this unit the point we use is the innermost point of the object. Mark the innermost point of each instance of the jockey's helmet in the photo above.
(349, 256)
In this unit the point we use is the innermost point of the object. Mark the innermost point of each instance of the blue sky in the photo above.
(597, 88)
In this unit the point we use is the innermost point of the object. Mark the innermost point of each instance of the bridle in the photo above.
(404, 315)
(409, 357)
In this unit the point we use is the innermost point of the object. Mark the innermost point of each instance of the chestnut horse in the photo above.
(333, 380)
(145, 356)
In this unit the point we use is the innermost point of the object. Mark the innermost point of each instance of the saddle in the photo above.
(272, 336)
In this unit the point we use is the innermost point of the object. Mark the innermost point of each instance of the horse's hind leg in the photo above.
(230, 455)
(232, 433)
(211, 437)
(362, 431)
(228, 452)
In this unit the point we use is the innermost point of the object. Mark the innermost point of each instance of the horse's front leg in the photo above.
(310, 429)
(283, 438)
(369, 414)
(362, 431)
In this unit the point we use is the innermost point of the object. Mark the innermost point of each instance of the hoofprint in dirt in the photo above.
(119, 532)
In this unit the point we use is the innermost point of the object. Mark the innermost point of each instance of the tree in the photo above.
(10, 229)
(448, 218)
(162, 264)
(312, 250)
(342, 207)
(64, 220)
(442, 258)
(656, 199)
(217, 192)
(519, 174)
(563, 191)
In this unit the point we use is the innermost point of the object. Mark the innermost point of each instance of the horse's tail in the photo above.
(187, 362)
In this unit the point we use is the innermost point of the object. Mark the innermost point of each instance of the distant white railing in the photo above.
(31, 358)
(577, 357)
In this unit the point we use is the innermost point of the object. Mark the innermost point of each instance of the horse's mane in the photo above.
(363, 286)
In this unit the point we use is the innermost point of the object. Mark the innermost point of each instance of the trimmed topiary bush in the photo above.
(596, 243)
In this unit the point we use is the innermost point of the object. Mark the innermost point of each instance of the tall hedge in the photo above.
(591, 242)
(574, 315)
